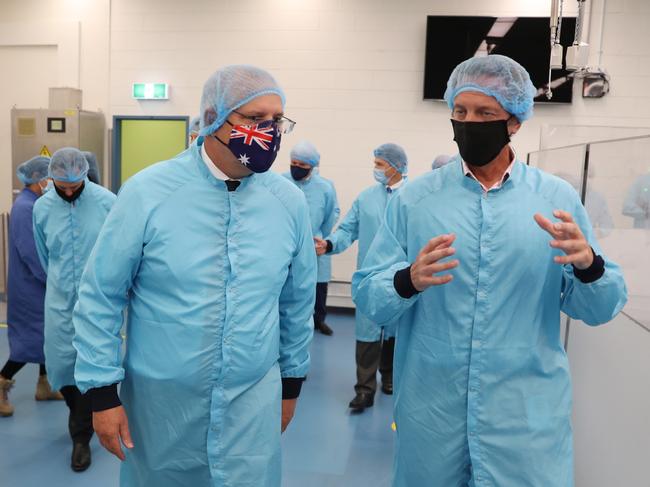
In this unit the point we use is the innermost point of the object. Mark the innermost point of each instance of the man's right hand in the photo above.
(112, 425)
(427, 263)
(320, 245)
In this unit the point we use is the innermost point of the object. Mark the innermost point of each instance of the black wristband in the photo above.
(291, 387)
(330, 247)
(403, 283)
(592, 273)
(102, 398)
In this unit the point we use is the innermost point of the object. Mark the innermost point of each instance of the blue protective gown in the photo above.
(65, 234)
(362, 223)
(482, 382)
(26, 284)
(220, 291)
(637, 202)
(323, 212)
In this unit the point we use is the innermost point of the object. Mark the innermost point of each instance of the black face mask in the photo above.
(480, 142)
(299, 173)
(73, 196)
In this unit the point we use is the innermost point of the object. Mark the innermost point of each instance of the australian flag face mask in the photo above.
(255, 146)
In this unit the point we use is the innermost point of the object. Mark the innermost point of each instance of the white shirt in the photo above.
(212, 167)
(498, 184)
(394, 186)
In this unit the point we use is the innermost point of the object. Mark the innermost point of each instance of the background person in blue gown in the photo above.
(375, 344)
(25, 287)
(67, 221)
(323, 211)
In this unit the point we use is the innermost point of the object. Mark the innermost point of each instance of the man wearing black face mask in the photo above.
(482, 382)
(323, 212)
(67, 222)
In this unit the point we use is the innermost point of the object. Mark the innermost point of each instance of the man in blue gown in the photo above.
(25, 287)
(323, 212)
(213, 257)
(482, 382)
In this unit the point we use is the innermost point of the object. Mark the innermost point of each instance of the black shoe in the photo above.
(80, 460)
(387, 387)
(362, 401)
(324, 329)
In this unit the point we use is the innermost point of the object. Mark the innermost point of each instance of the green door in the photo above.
(144, 142)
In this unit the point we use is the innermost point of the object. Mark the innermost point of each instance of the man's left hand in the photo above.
(288, 408)
(569, 238)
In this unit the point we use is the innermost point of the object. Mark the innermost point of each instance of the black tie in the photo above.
(232, 184)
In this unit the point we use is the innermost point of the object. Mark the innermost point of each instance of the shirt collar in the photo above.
(498, 184)
(212, 167)
(395, 186)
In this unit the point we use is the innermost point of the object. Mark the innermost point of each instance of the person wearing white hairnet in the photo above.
(213, 256)
(195, 126)
(323, 212)
(375, 343)
(637, 202)
(66, 224)
(25, 287)
(477, 274)
(93, 168)
(440, 160)
(595, 204)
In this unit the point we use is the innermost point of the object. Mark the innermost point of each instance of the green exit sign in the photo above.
(151, 91)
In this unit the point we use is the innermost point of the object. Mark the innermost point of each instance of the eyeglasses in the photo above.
(285, 125)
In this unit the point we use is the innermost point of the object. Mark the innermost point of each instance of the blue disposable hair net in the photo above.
(195, 125)
(306, 152)
(441, 160)
(394, 155)
(497, 76)
(68, 165)
(33, 170)
(93, 167)
(231, 87)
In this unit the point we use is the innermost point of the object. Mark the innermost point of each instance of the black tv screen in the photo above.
(451, 40)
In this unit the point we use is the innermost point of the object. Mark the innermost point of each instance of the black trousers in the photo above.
(12, 367)
(320, 308)
(370, 357)
(80, 420)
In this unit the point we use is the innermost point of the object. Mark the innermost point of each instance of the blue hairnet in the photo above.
(195, 125)
(33, 170)
(497, 76)
(68, 165)
(441, 160)
(394, 155)
(93, 167)
(306, 152)
(231, 87)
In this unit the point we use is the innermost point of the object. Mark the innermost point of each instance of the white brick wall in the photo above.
(352, 69)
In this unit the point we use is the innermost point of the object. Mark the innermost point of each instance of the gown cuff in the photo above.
(330, 247)
(291, 387)
(102, 398)
(592, 273)
(403, 283)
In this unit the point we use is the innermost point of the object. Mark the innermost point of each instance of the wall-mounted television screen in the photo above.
(451, 40)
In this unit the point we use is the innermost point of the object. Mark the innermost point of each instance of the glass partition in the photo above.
(618, 188)
(565, 162)
(610, 364)
(560, 135)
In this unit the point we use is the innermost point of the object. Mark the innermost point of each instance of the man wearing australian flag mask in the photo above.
(214, 258)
